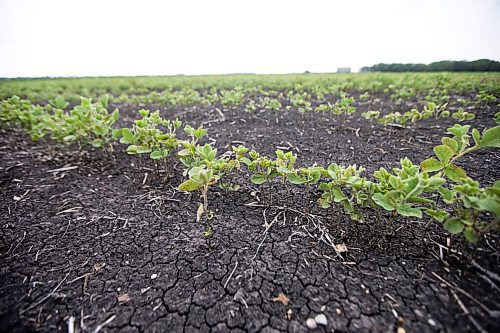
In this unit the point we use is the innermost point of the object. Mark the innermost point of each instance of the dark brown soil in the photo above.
(106, 245)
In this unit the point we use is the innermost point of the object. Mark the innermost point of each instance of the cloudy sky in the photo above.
(121, 37)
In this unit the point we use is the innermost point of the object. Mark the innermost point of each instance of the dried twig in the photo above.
(452, 286)
(265, 233)
(34, 305)
(63, 169)
(101, 326)
(230, 275)
(467, 312)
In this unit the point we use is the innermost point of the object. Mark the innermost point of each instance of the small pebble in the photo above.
(323, 308)
(311, 323)
(418, 313)
(154, 276)
(431, 322)
(339, 312)
(321, 319)
(401, 330)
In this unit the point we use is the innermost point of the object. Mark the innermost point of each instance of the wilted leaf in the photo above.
(282, 299)
(341, 248)
(124, 298)
(99, 266)
(199, 213)
(189, 186)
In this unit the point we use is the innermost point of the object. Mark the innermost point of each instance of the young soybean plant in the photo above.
(306, 176)
(345, 187)
(345, 105)
(204, 170)
(272, 104)
(263, 170)
(190, 155)
(470, 205)
(467, 199)
(401, 193)
(284, 163)
(145, 136)
(86, 124)
(458, 146)
(229, 165)
(262, 167)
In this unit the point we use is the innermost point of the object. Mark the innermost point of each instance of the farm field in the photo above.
(251, 203)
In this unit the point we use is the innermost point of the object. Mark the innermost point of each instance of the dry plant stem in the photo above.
(205, 199)
(467, 312)
(452, 286)
(34, 305)
(265, 232)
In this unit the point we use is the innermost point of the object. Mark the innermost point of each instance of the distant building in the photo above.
(344, 70)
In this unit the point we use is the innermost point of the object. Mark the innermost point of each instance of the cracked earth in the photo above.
(101, 243)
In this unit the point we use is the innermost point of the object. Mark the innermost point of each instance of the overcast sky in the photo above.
(121, 37)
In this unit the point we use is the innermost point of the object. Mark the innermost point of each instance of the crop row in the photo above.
(437, 188)
(174, 90)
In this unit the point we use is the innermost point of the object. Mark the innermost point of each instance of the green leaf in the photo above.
(444, 153)
(157, 154)
(295, 179)
(383, 201)
(246, 161)
(189, 186)
(338, 195)
(489, 204)
(450, 143)
(132, 149)
(258, 178)
(127, 136)
(407, 210)
(100, 130)
(491, 138)
(420, 200)
(447, 195)
(455, 173)
(69, 138)
(115, 115)
(98, 143)
(454, 225)
(471, 235)
(116, 134)
(431, 165)
(439, 215)
(143, 149)
(104, 100)
(459, 130)
(324, 202)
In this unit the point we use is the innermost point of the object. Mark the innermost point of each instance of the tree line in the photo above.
(482, 65)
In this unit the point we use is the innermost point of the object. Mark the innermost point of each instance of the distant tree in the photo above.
(481, 65)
